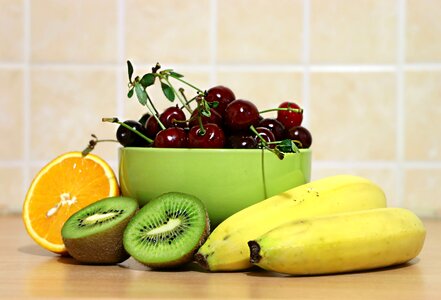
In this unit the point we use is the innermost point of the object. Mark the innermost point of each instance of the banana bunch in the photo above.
(340, 243)
(226, 249)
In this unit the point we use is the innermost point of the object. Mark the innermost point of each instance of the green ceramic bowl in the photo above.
(226, 180)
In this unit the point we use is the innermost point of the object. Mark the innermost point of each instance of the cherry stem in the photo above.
(253, 129)
(191, 100)
(201, 125)
(199, 108)
(115, 120)
(154, 108)
(92, 143)
(156, 68)
(183, 102)
(187, 102)
(296, 110)
(189, 84)
(265, 144)
(153, 111)
(293, 145)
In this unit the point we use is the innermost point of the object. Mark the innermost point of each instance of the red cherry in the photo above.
(172, 137)
(266, 134)
(171, 115)
(289, 118)
(151, 127)
(222, 95)
(241, 141)
(240, 115)
(213, 137)
(144, 118)
(128, 138)
(301, 136)
(277, 128)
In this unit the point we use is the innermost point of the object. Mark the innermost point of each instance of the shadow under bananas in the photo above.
(263, 273)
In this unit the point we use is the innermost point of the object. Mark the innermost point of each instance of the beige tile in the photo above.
(11, 121)
(345, 31)
(259, 31)
(75, 31)
(422, 192)
(67, 107)
(134, 110)
(423, 31)
(422, 116)
(11, 185)
(11, 30)
(385, 178)
(265, 89)
(353, 116)
(168, 31)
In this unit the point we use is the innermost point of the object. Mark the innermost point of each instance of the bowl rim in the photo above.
(204, 150)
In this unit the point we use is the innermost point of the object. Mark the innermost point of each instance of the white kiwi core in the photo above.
(95, 218)
(169, 226)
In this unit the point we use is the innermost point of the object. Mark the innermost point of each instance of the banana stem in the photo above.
(255, 257)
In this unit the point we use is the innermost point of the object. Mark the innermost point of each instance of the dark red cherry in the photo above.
(240, 115)
(144, 118)
(277, 128)
(128, 138)
(151, 127)
(289, 118)
(172, 137)
(266, 134)
(213, 137)
(173, 117)
(214, 118)
(222, 95)
(241, 141)
(301, 136)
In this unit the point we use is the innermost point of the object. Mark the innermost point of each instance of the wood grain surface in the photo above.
(29, 272)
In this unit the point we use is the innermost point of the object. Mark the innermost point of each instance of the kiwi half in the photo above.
(94, 234)
(167, 231)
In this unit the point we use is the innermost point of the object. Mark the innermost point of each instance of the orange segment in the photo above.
(64, 186)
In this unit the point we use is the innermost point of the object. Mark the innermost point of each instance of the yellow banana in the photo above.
(340, 243)
(226, 248)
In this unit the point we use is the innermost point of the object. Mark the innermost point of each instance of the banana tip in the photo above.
(201, 260)
(254, 252)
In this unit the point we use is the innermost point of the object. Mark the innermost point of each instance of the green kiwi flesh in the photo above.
(167, 231)
(94, 234)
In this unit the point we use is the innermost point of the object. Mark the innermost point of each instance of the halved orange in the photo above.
(64, 186)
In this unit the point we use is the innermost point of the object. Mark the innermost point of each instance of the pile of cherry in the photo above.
(232, 123)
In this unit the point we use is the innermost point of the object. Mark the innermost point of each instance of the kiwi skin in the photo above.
(102, 248)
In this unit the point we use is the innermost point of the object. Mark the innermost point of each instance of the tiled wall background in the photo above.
(367, 72)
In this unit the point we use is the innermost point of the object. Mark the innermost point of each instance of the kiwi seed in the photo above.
(94, 234)
(167, 231)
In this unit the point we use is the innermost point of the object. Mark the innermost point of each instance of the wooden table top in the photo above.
(28, 272)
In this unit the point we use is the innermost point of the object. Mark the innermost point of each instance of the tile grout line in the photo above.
(400, 122)
(120, 37)
(306, 59)
(26, 97)
(213, 41)
(119, 69)
(320, 68)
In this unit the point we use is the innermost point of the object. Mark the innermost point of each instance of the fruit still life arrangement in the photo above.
(76, 206)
